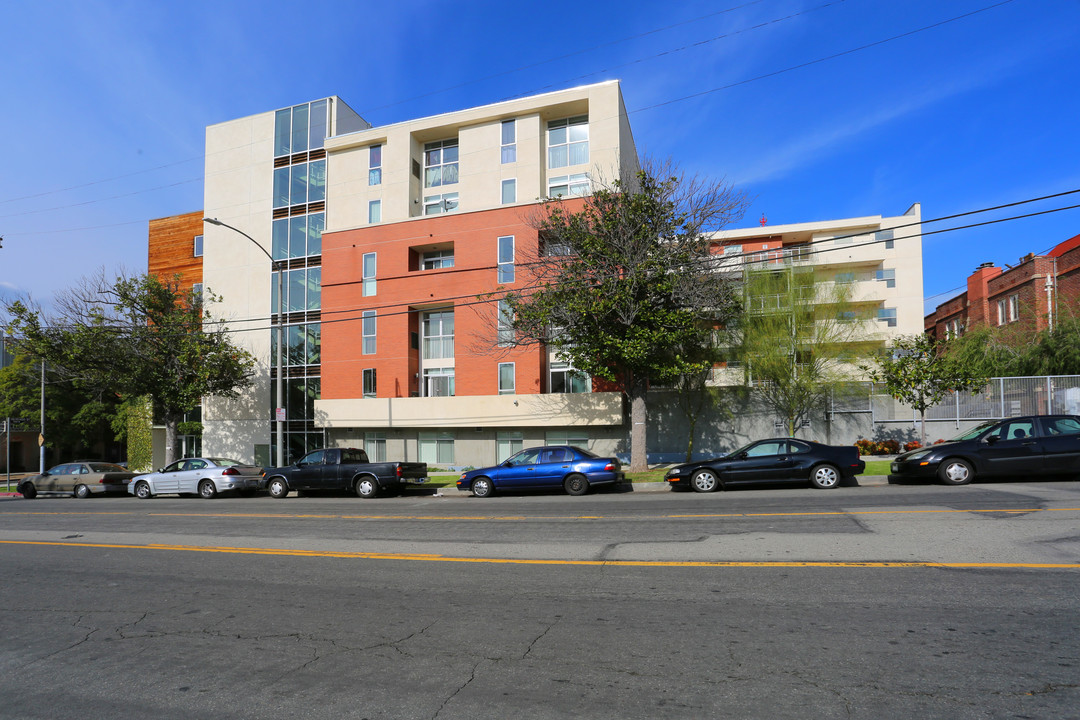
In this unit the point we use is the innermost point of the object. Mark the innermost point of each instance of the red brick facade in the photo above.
(1028, 294)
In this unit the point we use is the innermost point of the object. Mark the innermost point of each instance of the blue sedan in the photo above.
(571, 468)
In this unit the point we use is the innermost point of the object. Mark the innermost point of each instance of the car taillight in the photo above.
(610, 467)
(231, 471)
(399, 471)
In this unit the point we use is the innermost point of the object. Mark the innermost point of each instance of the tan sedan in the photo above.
(78, 479)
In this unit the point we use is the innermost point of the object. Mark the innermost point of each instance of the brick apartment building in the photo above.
(1027, 296)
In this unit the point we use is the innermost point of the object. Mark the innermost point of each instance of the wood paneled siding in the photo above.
(172, 248)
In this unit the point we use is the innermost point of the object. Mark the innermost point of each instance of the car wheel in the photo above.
(825, 477)
(81, 491)
(576, 485)
(367, 487)
(482, 487)
(142, 490)
(207, 490)
(955, 471)
(29, 491)
(705, 481)
(278, 488)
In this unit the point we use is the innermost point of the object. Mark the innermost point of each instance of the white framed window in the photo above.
(577, 438)
(368, 286)
(509, 141)
(196, 290)
(568, 142)
(1008, 309)
(437, 259)
(507, 443)
(568, 185)
(507, 382)
(441, 163)
(439, 382)
(370, 390)
(564, 378)
(375, 446)
(374, 212)
(438, 335)
(505, 259)
(437, 204)
(375, 165)
(436, 447)
(506, 323)
(367, 333)
(197, 250)
(509, 191)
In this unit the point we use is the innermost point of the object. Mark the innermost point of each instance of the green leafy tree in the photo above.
(623, 280)
(136, 336)
(917, 372)
(800, 339)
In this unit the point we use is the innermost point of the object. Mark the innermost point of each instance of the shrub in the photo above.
(913, 445)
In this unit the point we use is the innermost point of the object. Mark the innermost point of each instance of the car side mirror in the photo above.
(991, 439)
(44, 473)
(743, 455)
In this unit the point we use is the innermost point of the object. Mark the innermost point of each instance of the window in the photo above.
(577, 438)
(886, 236)
(436, 447)
(367, 333)
(1008, 309)
(374, 212)
(436, 204)
(506, 444)
(506, 259)
(300, 128)
(369, 383)
(505, 324)
(303, 290)
(438, 332)
(568, 142)
(439, 382)
(297, 236)
(375, 165)
(440, 163)
(509, 140)
(568, 185)
(368, 271)
(375, 446)
(303, 344)
(299, 184)
(506, 378)
(888, 275)
(845, 277)
(509, 191)
(437, 260)
(196, 290)
(198, 246)
(566, 379)
(887, 315)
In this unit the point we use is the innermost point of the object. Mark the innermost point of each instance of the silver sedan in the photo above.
(203, 476)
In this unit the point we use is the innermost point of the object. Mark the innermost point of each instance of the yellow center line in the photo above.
(502, 518)
(420, 557)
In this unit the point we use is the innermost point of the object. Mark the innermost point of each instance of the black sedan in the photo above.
(774, 460)
(1019, 447)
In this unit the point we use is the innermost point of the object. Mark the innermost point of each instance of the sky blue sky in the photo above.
(105, 105)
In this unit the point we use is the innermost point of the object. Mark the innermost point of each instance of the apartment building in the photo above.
(1026, 297)
(384, 240)
(879, 257)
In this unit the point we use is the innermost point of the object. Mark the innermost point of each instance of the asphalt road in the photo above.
(871, 602)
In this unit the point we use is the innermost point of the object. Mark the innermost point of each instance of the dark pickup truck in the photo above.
(343, 469)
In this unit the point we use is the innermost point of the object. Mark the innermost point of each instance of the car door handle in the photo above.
(1030, 442)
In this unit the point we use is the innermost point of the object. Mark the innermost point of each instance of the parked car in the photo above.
(571, 468)
(205, 476)
(773, 460)
(80, 479)
(1019, 447)
(343, 469)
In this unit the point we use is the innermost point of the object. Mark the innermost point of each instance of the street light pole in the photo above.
(278, 412)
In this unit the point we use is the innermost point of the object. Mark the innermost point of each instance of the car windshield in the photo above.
(975, 431)
(224, 462)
